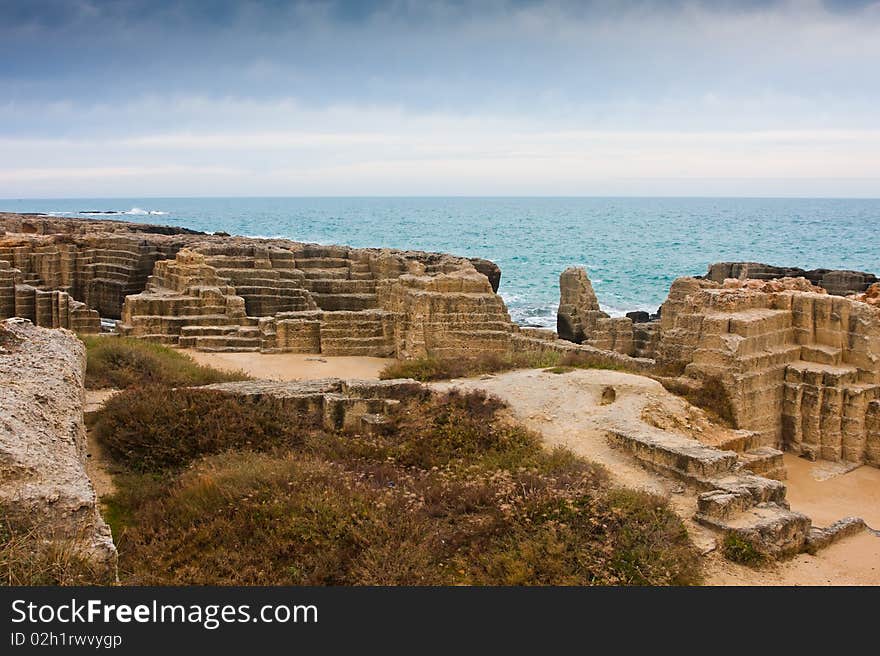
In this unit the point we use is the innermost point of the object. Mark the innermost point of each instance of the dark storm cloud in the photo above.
(141, 83)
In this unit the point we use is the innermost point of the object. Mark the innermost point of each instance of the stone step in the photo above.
(210, 331)
(226, 342)
(737, 492)
(186, 320)
(322, 263)
(369, 346)
(770, 529)
(822, 354)
(764, 461)
(337, 286)
(738, 441)
(326, 274)
(673, 454)
(229, 349)
(334, 302)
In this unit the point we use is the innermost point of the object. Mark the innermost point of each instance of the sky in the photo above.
(140, 98)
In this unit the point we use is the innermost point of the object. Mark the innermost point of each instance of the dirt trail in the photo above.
(292, 366)
(97, 463)
(567, 409)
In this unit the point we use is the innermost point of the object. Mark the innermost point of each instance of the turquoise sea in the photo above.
(633, 248)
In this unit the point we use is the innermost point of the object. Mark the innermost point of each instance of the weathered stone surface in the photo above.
(349, 405)
(580, 320)
(838, 283)
(800, 367)
(44, 489)
(638, 316)
(578, 306)
(214, 292)
(735, 500)
(871, 296)
(489, 269)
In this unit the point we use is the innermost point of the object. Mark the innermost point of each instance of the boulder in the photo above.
(45, 492)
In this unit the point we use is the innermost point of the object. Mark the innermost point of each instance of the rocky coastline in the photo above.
(794, 355)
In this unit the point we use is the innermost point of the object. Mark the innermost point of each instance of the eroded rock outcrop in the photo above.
(835, 282)
(580, 320)
(44, 490)
(215, 292)
(871, 296)
(799, 367)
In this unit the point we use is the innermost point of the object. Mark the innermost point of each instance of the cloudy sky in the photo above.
(397, 97)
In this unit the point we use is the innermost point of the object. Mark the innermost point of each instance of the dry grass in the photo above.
(453, 494)
(26, 558)
(708, 394)
(124, 362)
(428, 369)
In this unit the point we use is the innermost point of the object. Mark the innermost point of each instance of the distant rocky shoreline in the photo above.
(790, 358)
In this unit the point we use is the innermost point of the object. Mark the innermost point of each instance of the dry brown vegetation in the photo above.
(124, 362)
(453, 494)
(428, 369)
(26, 558)
(152, 428)
(708, 394)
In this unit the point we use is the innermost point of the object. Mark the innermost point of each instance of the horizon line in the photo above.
(426, 196)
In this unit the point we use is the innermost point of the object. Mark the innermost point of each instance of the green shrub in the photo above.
(741, 551)
(123, 363)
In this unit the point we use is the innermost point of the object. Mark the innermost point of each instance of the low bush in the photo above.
(150, 429)
(124, 362)
(741, 551)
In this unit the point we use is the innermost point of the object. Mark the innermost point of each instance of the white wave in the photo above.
(266, 237)
(620, 311)
(137, 211)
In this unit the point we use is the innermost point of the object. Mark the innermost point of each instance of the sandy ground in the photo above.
(816, 490)
(97, 463)
(566, 410)
(292, 366)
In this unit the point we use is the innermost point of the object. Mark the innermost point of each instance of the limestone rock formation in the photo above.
(44, 489)
(871, 296)
(578, 306)
(216, 292)
(348, 405)
(319, 299)
(580, 320)
(799, 367)
(835, 282)
(489, 269)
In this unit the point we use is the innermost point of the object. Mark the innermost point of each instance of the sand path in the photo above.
(292, 366)
(566, 410)
(97, 463)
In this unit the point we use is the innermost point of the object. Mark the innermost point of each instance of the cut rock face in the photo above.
(222, 293)
(44, 490)
(800, 367)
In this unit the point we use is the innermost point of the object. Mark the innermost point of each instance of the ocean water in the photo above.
(633, 248)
